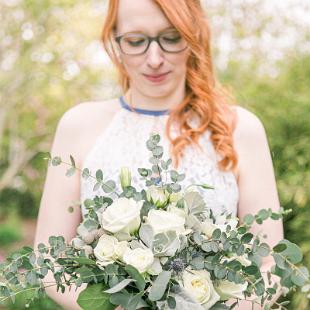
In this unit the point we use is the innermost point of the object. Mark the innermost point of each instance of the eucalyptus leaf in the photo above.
(159, 286)
(70, 171)
(94, 298)
(135, 274)
(99, 175)
(108, 186)
(56, 161)
(292, 252)
(300, 276)
(119, 286)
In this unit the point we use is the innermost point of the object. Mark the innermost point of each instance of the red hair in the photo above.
(205, 97)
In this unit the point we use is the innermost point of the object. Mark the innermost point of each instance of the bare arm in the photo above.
(58, 194)
(257, 185)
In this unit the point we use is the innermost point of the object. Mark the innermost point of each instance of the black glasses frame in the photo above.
(150, 40)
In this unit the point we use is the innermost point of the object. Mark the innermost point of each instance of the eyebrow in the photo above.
(161, 31)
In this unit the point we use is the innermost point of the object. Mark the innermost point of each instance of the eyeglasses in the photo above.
(138, 43)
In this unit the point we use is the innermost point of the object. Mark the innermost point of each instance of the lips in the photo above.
(155, 75)
(156, 78)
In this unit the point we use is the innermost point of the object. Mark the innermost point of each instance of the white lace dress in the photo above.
(123, 143)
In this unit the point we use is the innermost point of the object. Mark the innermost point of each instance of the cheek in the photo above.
(131, 64)
(179, 62)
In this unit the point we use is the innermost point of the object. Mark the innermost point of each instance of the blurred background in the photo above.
(51, 58)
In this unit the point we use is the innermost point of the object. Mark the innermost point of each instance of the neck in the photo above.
(138, 100)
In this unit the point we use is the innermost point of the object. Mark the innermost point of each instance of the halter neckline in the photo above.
(126, 106)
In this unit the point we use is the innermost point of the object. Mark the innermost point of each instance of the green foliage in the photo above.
(283, 105)
(94, 298)
(10, 231)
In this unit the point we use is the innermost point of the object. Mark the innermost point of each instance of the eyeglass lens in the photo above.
(137, 43)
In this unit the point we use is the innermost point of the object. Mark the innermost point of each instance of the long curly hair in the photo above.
(205, 97)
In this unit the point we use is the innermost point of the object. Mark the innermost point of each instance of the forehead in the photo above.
(141, 15)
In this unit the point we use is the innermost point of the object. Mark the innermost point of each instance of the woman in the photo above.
(162, 51)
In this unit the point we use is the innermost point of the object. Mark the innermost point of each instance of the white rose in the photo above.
(157, 196)
(141, 259)
(162, 221)
(208, 228)
(227, 289)
(198, 285)
(122, 215)
(109, 249)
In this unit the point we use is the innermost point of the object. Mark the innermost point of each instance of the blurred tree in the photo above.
(283, 104)
(45, 69)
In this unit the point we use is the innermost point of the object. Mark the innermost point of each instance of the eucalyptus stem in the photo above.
(91, 176)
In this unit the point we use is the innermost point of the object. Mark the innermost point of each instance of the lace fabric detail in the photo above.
(123, 144)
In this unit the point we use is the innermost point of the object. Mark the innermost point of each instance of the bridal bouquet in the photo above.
(158, 248)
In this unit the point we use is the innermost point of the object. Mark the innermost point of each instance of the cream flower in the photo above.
(163, 221)
(122, 216)
(198, 285)
(141, 259)
(227, 289)
(109, 249)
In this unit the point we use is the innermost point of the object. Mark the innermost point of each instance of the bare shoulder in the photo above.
(249, 138)
(248, 127)
(86, 113)
(80, 126)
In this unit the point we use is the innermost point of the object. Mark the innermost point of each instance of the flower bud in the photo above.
(88, 238)
(125, 177)
(88, 250)
(158, 196)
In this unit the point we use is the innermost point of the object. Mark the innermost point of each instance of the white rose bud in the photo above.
(198, 285)
(227, 289)
(88, 238)
(123, 215)
(141, 259)
(88, 250)
(125, 177)
(157, 196)
(78, 243)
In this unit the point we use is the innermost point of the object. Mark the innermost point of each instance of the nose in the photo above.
(155, 56)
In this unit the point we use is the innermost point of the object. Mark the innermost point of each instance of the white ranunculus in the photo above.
(208, 228)
(157, 196)
(109, 249)
(123, 215)
(162, 221)
(198, 285)
(227, 289)
(141, 259)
